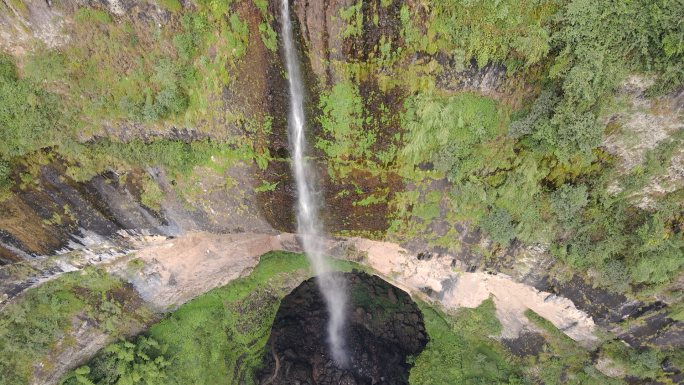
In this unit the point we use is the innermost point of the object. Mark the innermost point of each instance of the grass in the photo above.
(460, 352)
(172, 5)
(152, 196)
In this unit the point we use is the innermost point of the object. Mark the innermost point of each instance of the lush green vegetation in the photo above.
(124, 363)
(515, 31)
(523, 161)
(537, 174)
(27, 117)
(459, 351)
(218, 337)
(43, 315)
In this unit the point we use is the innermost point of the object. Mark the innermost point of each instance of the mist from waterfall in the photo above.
(332, 287)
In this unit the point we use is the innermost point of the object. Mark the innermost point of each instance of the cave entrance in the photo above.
(384, 327)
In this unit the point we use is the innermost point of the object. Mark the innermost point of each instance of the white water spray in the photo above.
(308, 227)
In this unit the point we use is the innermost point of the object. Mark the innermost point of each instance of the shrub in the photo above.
(487, 30)
(657, 254)
(342, 120)
(268, 36)
(102, 17)
(499, 225)
(185, 43)
(539, 111)
(172, 100)
(644, 363)
(237, 36)
(450, 131)
(30, 326)
(151, 110)
(459, 351)
(124, 363)
(5, 169)
(84, 15)
(667, 82)
(615, 275)
(568, 200)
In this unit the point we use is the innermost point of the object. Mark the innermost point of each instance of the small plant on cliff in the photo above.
(5, 169)
(152, 195)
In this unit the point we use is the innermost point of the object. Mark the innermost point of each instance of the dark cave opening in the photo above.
(384, 328)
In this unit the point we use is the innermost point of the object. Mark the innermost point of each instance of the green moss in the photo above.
(84, 15)
(152, 195)
(172, 5)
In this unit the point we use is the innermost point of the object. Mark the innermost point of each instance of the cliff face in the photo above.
(51, 213)
(41, 215)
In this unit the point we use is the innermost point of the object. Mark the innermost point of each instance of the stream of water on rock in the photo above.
(308, 225)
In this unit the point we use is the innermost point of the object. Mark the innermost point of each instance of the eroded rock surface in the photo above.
(453, 289)
(175, 270)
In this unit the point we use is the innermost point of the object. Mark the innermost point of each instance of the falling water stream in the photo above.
(308, 226)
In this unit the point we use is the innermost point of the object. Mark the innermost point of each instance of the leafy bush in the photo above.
(237, 36)
(268, 36)
(599, 42)
(657, 255)
(499, 225)
(450, 131)
(124, 363)
(8, 71)
(185, 43)
(615, 275)
(488, 30)
(667, 82)
(568, 200)
(480, 321)
(539, 114)
(342, 119)
(643, 363)
(46, 65)
(84, 15)
(564, 356)
(188, 43)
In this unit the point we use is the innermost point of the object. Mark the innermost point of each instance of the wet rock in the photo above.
(376, 337)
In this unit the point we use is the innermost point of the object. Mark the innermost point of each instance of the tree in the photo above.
(568, 200)
(500, 227)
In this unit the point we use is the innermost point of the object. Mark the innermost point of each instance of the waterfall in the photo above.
(308, 226)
